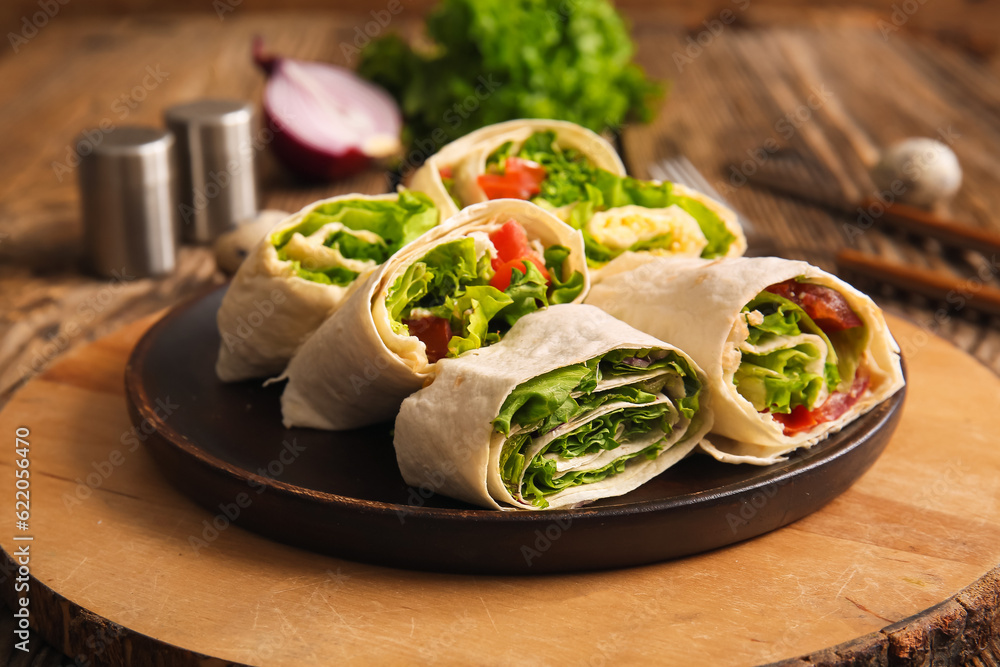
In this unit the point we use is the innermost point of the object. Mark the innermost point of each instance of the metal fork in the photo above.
(678, 169)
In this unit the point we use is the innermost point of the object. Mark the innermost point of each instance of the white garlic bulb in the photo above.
(918, 171)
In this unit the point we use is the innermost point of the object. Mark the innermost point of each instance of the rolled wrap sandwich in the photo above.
(792, 353)
(456, 289)
(450, 175)
(569, 171)
(571, 406)
(304, 269)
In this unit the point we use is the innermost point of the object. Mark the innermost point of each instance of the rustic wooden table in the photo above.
(831, 87)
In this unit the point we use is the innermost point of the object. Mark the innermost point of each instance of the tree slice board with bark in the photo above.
(118, 567)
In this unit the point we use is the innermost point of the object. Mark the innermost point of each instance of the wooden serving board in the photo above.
(124, 567)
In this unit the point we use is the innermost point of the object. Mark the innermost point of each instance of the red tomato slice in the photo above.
(827, 307)
(511, 241)
(530, 168)
(799, 419)
(433, 332)
(504, 272)
(514, 185)
(445, 172)
(836, 404)
(522, 179)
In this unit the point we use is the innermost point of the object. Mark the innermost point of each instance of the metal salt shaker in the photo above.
(128, 201)
(217, 184)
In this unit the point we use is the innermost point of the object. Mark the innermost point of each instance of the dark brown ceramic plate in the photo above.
(341, 493)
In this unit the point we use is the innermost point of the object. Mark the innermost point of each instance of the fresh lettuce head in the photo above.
(520, 59)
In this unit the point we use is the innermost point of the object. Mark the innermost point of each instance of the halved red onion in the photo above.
(328, 123)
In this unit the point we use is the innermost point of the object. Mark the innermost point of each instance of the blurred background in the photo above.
(969, 24)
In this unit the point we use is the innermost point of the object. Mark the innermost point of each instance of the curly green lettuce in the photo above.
(571, 180)
(451, 283)
(627, 401)
(370, 232)
(609, 191)
(513, 59)
(788, 376)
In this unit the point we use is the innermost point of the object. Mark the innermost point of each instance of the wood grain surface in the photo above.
(158, 575)
(828, 88)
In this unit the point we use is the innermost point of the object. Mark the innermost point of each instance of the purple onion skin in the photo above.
(305, 161)
(310, 164)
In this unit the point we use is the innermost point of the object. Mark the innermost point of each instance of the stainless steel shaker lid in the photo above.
(142, 143)
(216, 172)
(128, 201)
(210, 113)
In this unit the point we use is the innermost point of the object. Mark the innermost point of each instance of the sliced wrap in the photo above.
(576, 174)
(456, 289)
(450, 174)
(792, 353)
(304, 269)
(571, 406)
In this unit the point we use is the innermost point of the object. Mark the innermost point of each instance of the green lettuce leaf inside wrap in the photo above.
(664, 391)
(792, 375)
(373, 230)
(572, 180)
(452, 283)
(609, 191)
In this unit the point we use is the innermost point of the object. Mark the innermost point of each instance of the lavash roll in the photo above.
(445, 439)
(466, 156)
(696, 305)
(269, 311)
(355, 370)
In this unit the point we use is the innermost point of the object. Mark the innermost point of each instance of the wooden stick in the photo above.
(972, 292)
(871, 211)
(927, 224)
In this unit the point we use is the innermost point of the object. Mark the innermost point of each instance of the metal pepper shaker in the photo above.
(217, 183)
(128, 201)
